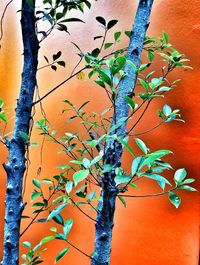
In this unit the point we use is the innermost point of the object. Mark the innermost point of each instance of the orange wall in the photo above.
(149, 231)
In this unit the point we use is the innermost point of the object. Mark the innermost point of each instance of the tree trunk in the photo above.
(17, 146)
(113, 149)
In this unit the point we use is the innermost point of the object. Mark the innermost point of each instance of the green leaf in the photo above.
(130, 102)
(180, 174)
(60, 237)
(35, 195)
(38, 204)
(143, 83)
(122, 179)
(80, 175)
(186, 187)
(122, 200)
(46, 239)
(126, 146)
(164, 88)
(3, 116)
(128, 33)
(150, 56)
(58, 219)
(27, 244)
(105, 78)
(37, 262)
(136, 165)
(160, 180)
(117, 35)
(188, 181)
(61, 254)
(69, 187)
(47, 181)
(167, 110)
(91, 195)
(56, 211)
(150, 158)
(155, 82)
(166, 37)
(169, 58)
(24, 136)
(174, 199)
(97, 159)
(141, 145)
(1, 103)
(84, 104)
(53, 229)
(67, 226)
(36, 183)
(108, 45)
(86, 163)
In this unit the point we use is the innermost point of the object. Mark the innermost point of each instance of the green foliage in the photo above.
(79, 182)
(61, 254)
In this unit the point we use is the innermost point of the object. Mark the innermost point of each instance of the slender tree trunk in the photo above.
(17, 146)
(113, 149)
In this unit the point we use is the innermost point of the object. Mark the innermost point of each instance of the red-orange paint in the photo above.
(149, 231)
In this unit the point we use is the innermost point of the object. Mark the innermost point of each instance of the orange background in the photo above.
(150, 231)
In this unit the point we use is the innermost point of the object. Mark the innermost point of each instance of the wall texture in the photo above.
(149, 231)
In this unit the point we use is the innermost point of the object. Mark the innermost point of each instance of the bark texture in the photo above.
(113, 149)
(17, 146)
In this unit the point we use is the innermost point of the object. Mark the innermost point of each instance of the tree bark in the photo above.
(17, 146)
(113, 149)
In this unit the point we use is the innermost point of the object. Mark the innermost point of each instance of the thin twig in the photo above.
(78, 249)
(59, 85)
(82, 211)
(148, 195)
(147, 131)
(1, 21)
(35, 217)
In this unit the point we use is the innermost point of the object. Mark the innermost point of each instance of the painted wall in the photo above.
(149, 231)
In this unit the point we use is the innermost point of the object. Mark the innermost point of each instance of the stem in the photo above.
(35, 217)
(147, 195)
(78, 249)
(147, 131)
(82, 211)
(59, 85)
(2, 17)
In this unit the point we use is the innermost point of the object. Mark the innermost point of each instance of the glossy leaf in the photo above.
(174, 199)
(69, 187)
(122, 179)
(67, 226)
(80, 175)
(36, 182)
(56, 211)
(180, 174)
(61, 254)
(141, 145)
(136, 165)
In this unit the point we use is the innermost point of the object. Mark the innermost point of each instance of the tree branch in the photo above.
(147, 195)
(59, 85)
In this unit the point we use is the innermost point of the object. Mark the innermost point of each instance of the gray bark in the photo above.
(113, 149)
(17, 146)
